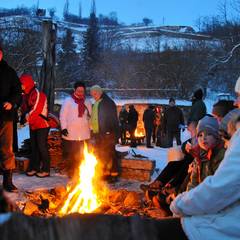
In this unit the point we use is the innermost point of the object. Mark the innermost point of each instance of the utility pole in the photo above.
(48, 75)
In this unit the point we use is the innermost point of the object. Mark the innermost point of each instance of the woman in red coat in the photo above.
(35, 107)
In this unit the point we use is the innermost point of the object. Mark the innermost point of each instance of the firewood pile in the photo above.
(137, 167)
(122, 202)
(55, 147)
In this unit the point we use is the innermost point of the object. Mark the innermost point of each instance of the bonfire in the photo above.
(83, 197)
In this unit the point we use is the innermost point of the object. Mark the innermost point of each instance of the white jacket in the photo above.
(78, 127)
(212, 209)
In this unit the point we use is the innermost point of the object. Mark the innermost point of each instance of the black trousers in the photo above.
(132, 136)
(123, 129)
(40, 160)
(171, 135)
(149, 131)
(105, 150)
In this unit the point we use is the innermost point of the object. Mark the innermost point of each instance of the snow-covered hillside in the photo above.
(141, 38)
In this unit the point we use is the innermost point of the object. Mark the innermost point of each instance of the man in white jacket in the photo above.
(74, 117)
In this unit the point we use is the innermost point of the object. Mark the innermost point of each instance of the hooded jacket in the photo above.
(34, 104)
(211, 211)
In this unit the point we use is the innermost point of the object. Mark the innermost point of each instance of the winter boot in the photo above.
(7, 181)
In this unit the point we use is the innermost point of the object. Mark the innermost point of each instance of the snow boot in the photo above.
(7, 181)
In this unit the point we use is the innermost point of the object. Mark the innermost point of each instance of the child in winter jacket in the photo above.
(212, 147)
(36, 109)
(208, 154)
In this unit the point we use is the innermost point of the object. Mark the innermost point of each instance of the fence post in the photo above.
(48, 75)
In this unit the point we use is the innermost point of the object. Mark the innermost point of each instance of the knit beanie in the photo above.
(232, 115)
(198, 94)
(222, 107)
(96, 88)
(209, 124)
(237, 86)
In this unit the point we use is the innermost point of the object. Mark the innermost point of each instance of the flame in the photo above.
(83, 196)
(138, 133)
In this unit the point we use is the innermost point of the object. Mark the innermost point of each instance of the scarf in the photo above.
(81, 105)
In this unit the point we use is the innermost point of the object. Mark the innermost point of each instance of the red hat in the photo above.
(28, 83)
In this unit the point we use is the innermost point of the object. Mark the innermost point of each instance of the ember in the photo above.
(83, 197)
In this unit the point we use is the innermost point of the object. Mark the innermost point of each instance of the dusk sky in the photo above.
(169, 12)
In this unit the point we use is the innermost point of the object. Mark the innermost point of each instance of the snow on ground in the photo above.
(159, 155)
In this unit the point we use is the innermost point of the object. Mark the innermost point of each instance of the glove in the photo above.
(65, 132)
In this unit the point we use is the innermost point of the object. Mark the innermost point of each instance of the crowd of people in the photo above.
(80, 122)
(199, 191)
(161, 124)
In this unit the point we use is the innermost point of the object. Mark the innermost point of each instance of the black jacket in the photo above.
(173, 117)
(132, 118)
(123, 117)
(198, 111)
(107, 116)
(148, 118)
(10, 91)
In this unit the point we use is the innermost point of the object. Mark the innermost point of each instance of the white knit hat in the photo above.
(96, 88)
(237, 86)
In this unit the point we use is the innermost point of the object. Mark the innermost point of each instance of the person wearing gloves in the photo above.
(35, 109)
(75, 123)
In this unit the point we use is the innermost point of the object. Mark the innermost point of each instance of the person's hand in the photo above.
(7, 106)
(188, 147)
(27, 117)
(65, 132)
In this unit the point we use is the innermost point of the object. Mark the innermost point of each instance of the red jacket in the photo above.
(34, 104)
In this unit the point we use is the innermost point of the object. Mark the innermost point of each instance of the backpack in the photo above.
(52, 120)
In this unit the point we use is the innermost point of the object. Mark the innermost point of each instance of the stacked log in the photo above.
(137, 168)
(55, 147)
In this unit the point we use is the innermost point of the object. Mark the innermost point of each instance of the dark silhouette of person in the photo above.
(132, 124)
(148, 119)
